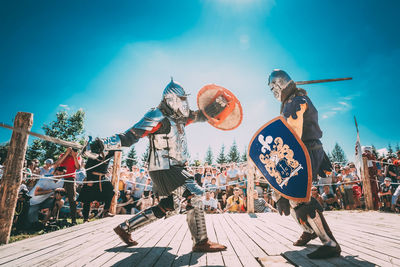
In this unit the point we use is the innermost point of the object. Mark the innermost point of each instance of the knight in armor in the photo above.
(165, 128)
(302, 116)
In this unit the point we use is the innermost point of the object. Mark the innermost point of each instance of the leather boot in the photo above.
(304, 239)
(208, 246)
(125, 236)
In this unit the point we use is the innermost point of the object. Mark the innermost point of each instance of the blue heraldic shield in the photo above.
(282, 158)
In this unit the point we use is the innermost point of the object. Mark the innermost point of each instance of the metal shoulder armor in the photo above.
(292, 106)
(150, 120)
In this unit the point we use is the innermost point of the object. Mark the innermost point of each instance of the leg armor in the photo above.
(308, 233)
(196, 220)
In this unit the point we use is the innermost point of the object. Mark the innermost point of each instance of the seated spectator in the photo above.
(235, 202)
(221, 179)
(316, 195)
(262, 206)
(330, 199)
(206, 179)
(222, 202)
(385, 194)
(126, 204)
(58, 202)
(145, 202)
(42, 196)
(22, 208)
(210, 203)
(396, 200)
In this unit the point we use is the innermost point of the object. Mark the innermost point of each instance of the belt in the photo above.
(100, 176)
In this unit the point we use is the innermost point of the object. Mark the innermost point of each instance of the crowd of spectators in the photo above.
(43, 200)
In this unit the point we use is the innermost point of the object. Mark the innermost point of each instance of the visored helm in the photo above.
(281, 84)
(176, 99)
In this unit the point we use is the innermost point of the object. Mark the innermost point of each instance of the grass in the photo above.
(25, 235)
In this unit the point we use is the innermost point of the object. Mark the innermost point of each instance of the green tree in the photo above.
(234, 154)
(390, 150)
(244, 155)
(397, 148)
(145, 155)
(66, 127)
(35, 150)
(209, 156)
(374, 151)
(221, 156)
(330, 157)
(131, 158)
(3, 151)
(338, 154)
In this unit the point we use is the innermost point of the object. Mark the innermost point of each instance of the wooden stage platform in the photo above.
(367, 239)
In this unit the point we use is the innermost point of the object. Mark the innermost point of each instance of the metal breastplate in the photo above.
(168, 149)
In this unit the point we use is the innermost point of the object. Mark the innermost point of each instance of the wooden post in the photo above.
(369, 204)
(250, 186)
(12, 176)
(115, 180)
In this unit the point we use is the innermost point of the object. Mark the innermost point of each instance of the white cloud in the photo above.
(64, 106)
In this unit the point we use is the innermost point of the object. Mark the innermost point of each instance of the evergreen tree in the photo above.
(390, 150)
(234, 154)
(3, 151)
(338, 154)
(35, 150)
(397, 147)
(221, 156)
(145, 155)
(209, 156)
(330, 157)
(131, 158)
(376, 154)
(244, 155)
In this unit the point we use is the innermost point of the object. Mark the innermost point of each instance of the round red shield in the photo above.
(232, 115)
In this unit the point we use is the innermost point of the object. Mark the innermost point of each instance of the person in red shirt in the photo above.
(71, 161)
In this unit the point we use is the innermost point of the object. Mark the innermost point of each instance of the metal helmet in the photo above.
(281, 84)
(176, 99)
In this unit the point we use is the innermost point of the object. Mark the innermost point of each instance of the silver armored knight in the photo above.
(165, 128)
(302, 116)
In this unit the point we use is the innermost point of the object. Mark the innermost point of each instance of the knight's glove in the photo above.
(97, 146)
(216, 107)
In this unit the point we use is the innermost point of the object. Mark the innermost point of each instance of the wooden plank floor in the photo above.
(366, 238)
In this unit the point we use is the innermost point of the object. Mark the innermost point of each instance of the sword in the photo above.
(44, 137)
(323, 81)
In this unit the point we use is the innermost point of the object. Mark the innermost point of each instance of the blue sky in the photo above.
(113, 59)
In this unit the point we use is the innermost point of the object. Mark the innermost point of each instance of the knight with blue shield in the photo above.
(302, 116)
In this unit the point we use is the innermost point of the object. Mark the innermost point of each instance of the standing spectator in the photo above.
(260, 205)
(221, 180)
(385, 194)
(207, 179)
(395, 198)
(232, 174)
(348, 181)
(330, 199)
(140, 185)
(235, 202)
(71, 162)
(47, 170)
(41, 196)
(212, 187)
(197, 176)
(393, 171)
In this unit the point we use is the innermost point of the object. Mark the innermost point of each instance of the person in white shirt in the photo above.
(210, 204)
(42, 194)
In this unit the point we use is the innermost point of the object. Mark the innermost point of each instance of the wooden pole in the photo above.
(12, 176)
(115, 180)
(250, 186)
(369, 204)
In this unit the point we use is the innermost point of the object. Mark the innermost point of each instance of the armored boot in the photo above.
(143, 218)
(197, 227)
(307, 235)
(330, 246)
